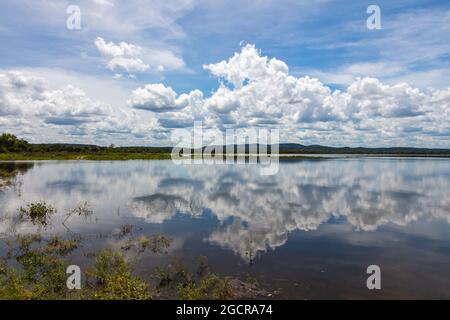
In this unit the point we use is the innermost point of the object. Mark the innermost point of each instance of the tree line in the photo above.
(9, 143)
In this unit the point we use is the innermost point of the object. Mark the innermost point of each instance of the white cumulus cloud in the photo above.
(123, 56)
(253, 91)
(257, 91)
(133, 58)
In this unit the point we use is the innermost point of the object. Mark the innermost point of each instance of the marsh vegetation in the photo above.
(34, 266)
(39, 213)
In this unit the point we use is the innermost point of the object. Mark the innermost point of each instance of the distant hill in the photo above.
(295, 148)
(298, 148)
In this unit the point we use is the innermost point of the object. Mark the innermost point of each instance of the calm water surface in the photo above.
(309, 231)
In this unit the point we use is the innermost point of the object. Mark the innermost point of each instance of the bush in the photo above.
(210, 287)
(113, 279)
(10, 143)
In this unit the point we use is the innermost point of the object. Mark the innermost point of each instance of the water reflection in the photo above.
(251, 213)
(257, 212)
(9, 172)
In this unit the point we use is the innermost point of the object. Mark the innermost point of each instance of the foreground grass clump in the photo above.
(112, 279)
(42, 270)
(200, 284)
(210, 287)
(38, 212)
(34, 267)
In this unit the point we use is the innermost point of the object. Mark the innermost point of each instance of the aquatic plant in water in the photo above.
(41, 273)
(154, 243)
(82, 210)
(38, 212)
(35, 268)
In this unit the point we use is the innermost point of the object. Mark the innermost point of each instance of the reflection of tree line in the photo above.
(9, 171)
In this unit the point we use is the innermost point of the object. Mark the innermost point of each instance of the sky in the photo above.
(135, 72)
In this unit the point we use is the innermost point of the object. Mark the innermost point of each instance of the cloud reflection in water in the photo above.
(254, 212)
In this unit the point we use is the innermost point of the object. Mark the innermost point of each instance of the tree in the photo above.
(10, 143)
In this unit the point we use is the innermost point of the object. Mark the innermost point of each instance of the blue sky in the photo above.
(391, 82)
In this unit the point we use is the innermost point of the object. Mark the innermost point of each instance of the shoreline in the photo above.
(6, 157)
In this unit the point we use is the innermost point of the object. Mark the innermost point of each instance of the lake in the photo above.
(309, 232)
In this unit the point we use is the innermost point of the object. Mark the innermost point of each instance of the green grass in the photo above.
(78, 156)
(41, 273)
(34, 268)
(210, 287)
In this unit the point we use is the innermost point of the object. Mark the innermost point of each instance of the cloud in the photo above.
(306, 199)
(44, 111)
(157, 98)
(67, 121)
(122, 56)
(174, 111)
(105, 2)
(257, 91)
(248, 65)
(407, 49)
(130, 58)
(373, 99)
(176, 122)
(253, 91)
(162, 60)
(308, 195)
